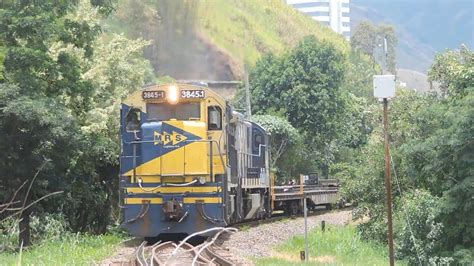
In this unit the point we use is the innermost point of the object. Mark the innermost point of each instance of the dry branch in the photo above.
(20, 210)
(6, 205)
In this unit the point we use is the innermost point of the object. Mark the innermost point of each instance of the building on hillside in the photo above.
(333, 13)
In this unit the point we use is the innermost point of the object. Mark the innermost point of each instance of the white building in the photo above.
(333, 13)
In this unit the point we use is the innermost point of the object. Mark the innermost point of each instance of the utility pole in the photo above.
(388, 181)
(384, 88)
(388, 174)
(248, 109)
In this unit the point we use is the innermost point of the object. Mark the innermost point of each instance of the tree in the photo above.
(369, 39)
(116, 69)
(454, 70)
(364, 38)
(446, 166)
(43, 97)
(304, 86)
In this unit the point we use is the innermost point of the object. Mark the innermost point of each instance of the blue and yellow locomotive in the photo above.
(189, 162)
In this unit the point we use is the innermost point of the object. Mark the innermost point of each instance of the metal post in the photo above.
(305, 210)
(388, 181)
(211, 162)
(134, 162)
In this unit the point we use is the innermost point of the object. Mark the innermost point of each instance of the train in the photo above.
(190, 162)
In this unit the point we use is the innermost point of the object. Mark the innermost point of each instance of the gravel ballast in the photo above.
(260, 240)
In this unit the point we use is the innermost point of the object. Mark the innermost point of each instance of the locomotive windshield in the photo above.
(180, 111)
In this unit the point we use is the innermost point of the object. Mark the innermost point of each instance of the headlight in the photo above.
(172, 95)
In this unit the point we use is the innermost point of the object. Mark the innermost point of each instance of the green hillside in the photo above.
(248, 28)
(213, 39)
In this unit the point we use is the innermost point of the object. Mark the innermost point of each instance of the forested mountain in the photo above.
(423, 27)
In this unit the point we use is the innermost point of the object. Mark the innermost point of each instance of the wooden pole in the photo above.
(388, 181)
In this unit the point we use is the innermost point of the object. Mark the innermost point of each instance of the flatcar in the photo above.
(189, 162)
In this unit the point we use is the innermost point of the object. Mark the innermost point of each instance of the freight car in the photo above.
(189, 162)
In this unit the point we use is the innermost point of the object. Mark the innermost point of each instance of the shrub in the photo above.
(8, 234)
(44, 227)
(417, 230)
(48, 226)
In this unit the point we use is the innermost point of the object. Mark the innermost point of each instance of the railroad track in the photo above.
(207, 253)
(170, 253)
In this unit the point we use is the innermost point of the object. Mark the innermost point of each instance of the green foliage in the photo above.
(419, 234)
(305, 81)
(364, 38)
(44, 228)
(8, 235)
(43, 97)
(454, 70)
(388, 60)
(3, 51)
(116, 69)
(359, 75)
(446, 168)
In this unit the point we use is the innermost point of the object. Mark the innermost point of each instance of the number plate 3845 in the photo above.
(192, 94)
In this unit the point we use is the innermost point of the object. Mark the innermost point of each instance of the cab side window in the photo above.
(257, 141)
(214, 118)
(133, 120)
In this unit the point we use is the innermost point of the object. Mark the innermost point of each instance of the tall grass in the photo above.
(336, 246)
(72, 249)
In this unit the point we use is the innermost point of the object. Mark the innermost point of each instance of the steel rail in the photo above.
(207, 245)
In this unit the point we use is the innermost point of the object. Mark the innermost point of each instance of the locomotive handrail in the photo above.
(164, 185)
(146, 190)
(296, 189)
(305, 186)
(181, 185)
(253, 154)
